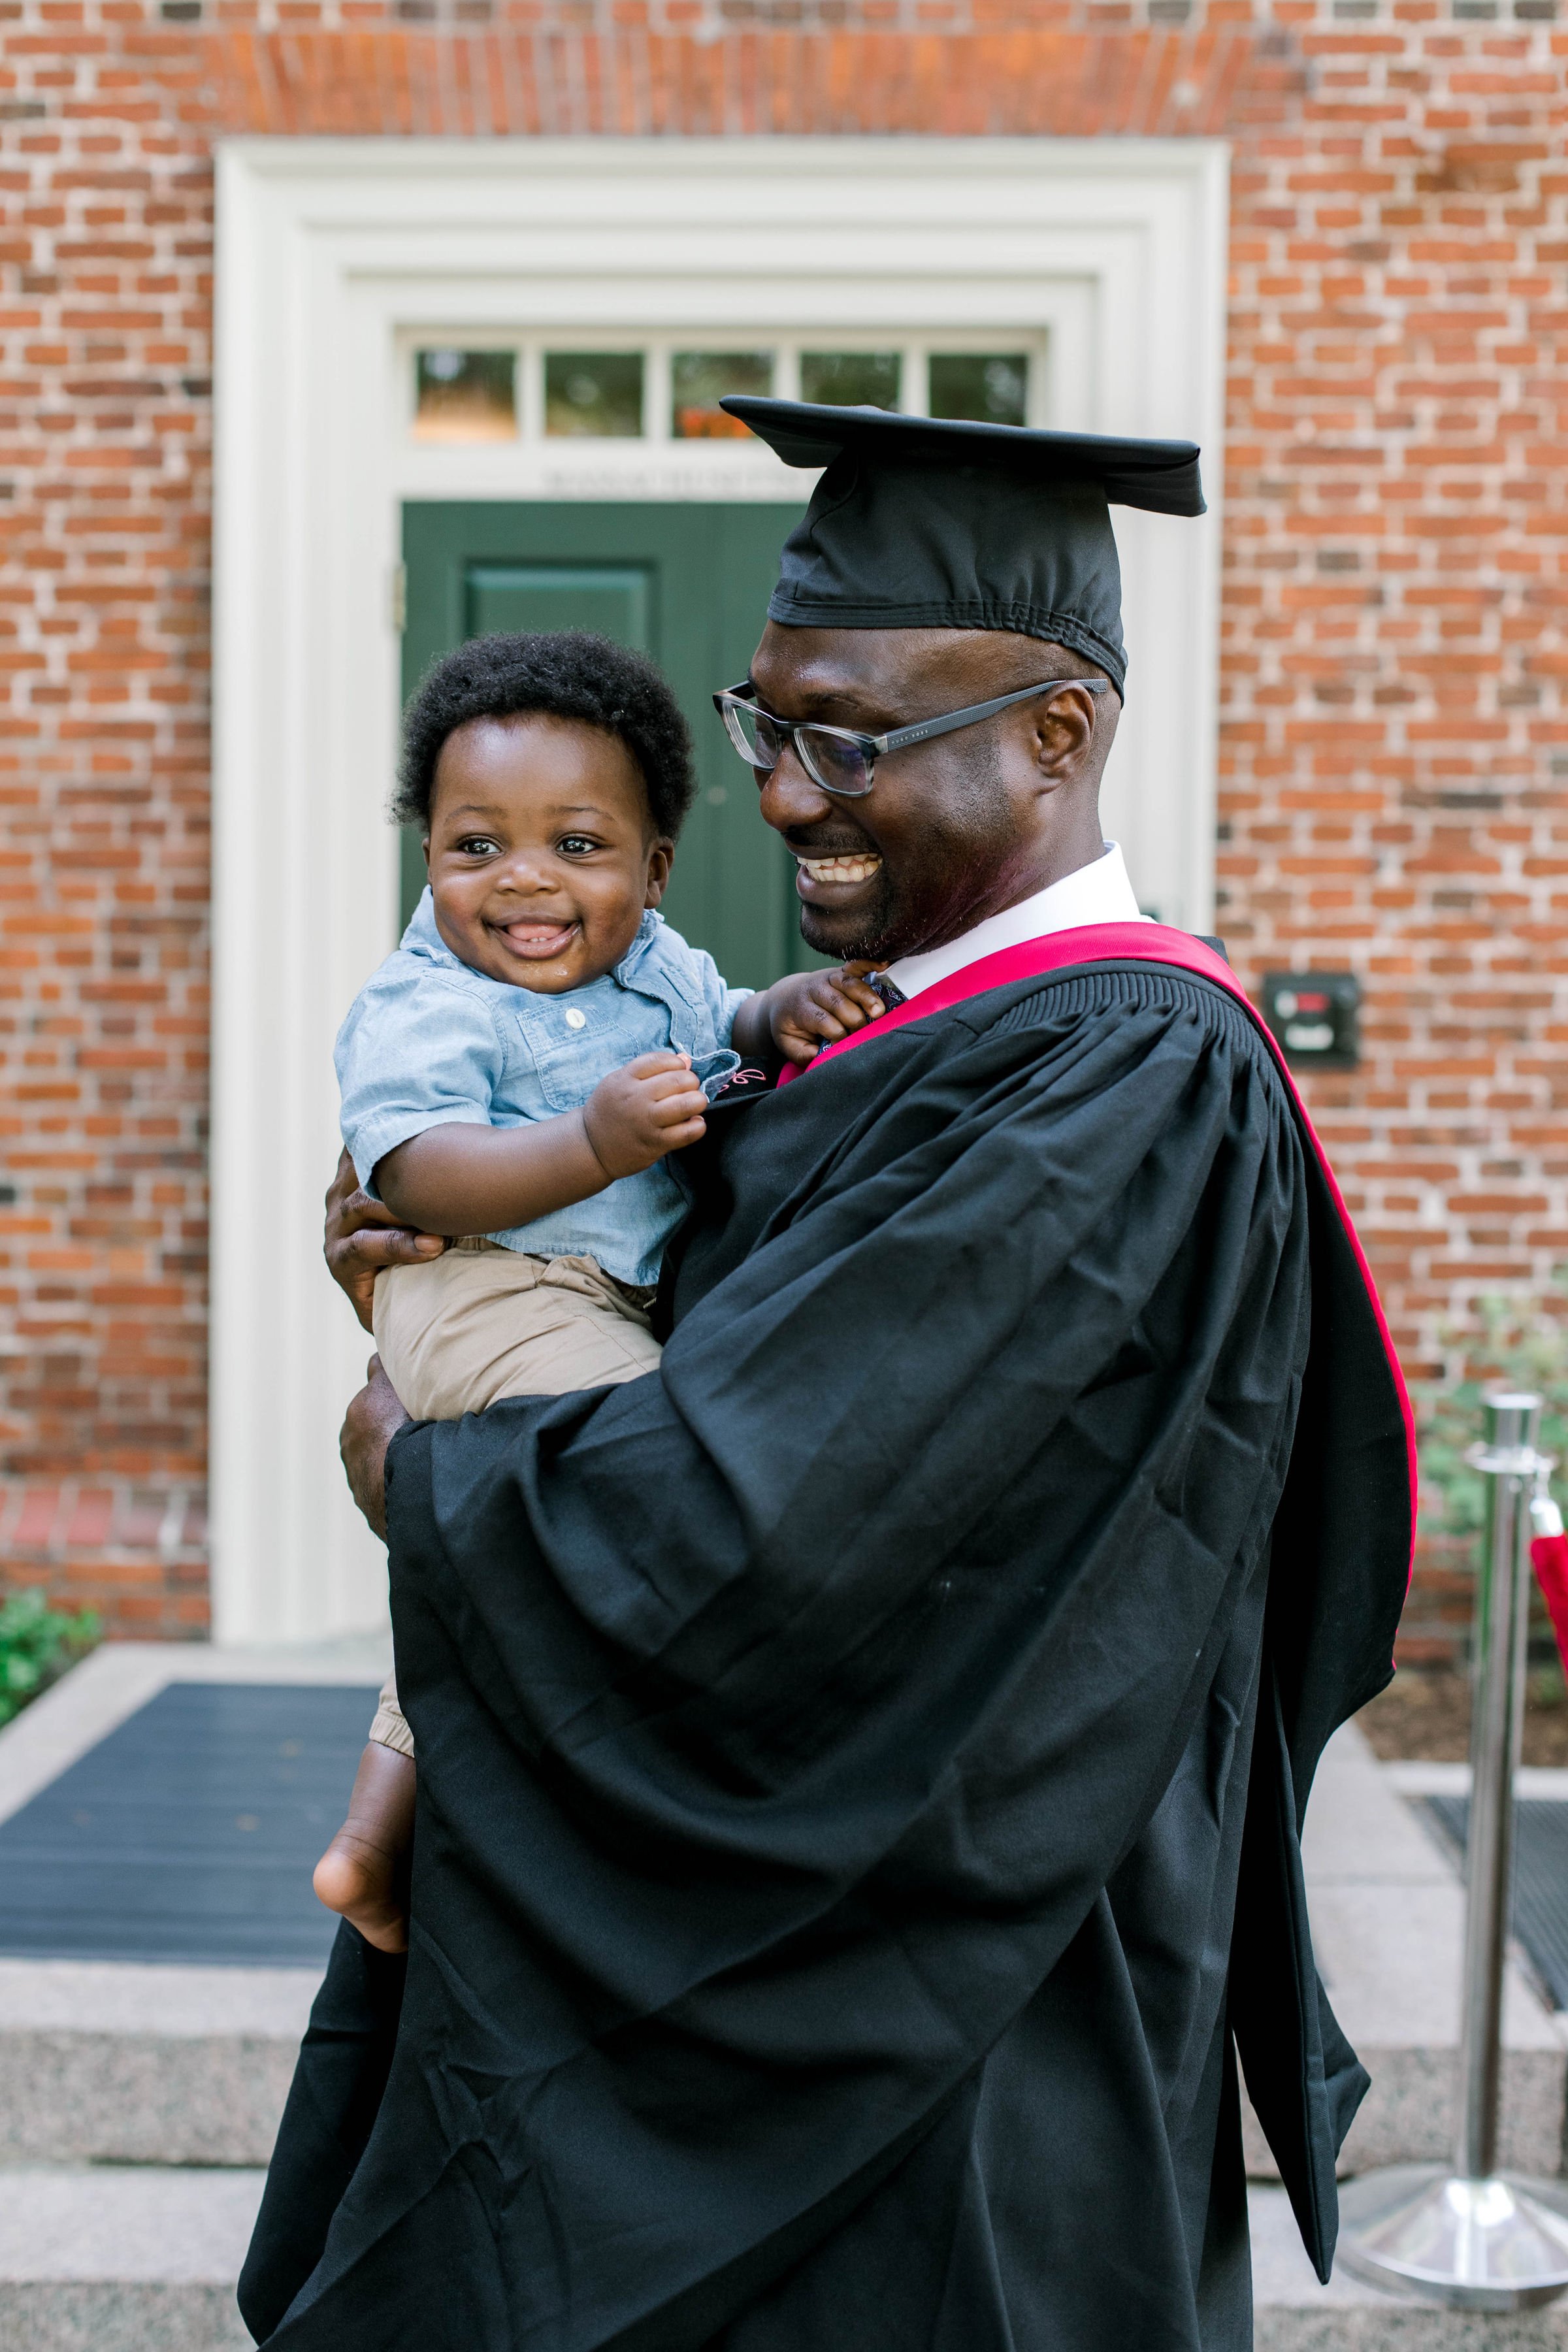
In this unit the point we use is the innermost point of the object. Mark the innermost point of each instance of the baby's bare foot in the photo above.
(363, 1873)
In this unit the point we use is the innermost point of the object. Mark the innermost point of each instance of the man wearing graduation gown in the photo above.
(860, 1765)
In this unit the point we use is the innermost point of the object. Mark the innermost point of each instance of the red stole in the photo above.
(1139, 943)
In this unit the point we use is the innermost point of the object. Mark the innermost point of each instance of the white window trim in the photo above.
(332, 255)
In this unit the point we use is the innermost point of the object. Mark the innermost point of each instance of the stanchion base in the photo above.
(1499, 2245)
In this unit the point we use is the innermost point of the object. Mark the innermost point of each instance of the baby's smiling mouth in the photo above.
(539, 942)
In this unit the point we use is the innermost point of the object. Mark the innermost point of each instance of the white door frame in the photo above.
(331, 253)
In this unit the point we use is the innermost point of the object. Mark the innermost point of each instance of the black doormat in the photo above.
(1539, 1880)
(190, 1832)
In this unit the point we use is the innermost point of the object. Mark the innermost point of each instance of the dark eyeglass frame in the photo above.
(872, 747)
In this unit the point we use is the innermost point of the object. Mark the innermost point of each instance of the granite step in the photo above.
(132, 2064)
(132, 2258)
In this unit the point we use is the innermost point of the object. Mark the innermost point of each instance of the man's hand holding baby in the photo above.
(651, 1106)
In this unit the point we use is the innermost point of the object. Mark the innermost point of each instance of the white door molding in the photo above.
(331, 255)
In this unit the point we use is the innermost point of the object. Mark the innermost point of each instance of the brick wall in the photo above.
(1395, 742)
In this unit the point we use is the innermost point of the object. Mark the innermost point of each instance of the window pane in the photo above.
(993, 387)
(465, 395)
(851, 379)
(699, 381)
(597, 393)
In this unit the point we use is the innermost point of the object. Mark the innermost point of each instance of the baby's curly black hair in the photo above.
(566, 673)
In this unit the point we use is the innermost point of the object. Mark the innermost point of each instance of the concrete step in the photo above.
(123, 2259)
(146, 2064)
(144, 2260)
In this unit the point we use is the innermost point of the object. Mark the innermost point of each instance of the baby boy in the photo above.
(517, 1073)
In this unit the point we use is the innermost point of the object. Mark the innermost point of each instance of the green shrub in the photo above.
(1527, 1351)
(36, 1644)
(1524, 1347)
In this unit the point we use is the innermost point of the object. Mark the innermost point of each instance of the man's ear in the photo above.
(661, 858)
(425, 845)
(1064, 734)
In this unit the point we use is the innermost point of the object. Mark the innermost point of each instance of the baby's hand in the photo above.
(811, 1009)
(637, 1113)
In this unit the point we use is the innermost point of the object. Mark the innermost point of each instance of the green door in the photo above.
(688, 584)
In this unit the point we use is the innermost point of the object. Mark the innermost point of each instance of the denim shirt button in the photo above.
(576, 1017)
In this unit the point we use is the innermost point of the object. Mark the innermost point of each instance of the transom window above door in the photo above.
(466, 388)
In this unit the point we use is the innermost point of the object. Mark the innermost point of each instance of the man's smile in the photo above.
(844, 868)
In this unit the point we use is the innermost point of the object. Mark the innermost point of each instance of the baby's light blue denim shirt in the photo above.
(428, 1041)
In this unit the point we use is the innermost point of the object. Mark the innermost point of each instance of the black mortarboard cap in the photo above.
(922, 523)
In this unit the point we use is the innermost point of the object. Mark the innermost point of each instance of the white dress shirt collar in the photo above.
(1097, 893)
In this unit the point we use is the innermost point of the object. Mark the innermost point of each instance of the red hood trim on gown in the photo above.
(1150, 943)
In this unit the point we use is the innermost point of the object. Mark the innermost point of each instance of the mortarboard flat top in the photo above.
(929, 522)
(1160, 476)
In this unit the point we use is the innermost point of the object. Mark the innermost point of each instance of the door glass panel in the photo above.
(851, 379)
(991, 387)
(613, 601)
(465, 395)
(699, 381)
(687, 583)
(594, 395)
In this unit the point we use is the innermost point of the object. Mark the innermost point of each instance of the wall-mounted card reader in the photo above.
(1314, 1014)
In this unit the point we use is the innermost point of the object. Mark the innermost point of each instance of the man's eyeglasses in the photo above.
(836, 757)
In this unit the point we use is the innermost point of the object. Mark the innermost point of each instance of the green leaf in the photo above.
(38, 1643)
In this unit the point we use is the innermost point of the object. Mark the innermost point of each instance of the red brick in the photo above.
(1394, 659)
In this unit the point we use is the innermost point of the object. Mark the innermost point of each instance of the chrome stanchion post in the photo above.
(1476, 2239)
(1497, 1722)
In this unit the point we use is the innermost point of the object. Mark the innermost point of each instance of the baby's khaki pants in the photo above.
(483, 1322)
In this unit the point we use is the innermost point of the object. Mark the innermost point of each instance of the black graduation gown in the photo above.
(860, 1765)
